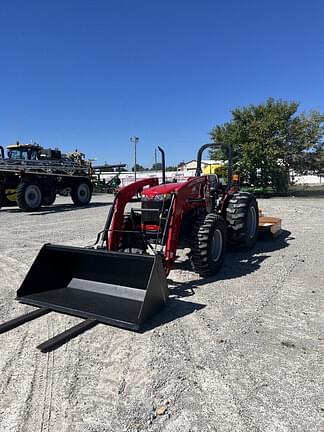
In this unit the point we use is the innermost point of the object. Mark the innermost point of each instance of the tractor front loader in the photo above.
(121, 280)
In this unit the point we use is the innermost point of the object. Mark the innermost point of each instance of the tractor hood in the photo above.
(163, 189)
(169, 188)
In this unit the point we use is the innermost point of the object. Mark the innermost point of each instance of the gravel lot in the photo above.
(240, 352)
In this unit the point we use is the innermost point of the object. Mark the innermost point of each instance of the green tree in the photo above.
(171, 168)
(156, 166)
(138, 168)
(270, 139)
(311, 162)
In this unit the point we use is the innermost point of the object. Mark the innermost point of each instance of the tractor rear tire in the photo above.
(81, 193)
(242, 216)
(208, 244)
(29, 196)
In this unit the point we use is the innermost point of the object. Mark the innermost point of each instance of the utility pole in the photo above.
(135, 140)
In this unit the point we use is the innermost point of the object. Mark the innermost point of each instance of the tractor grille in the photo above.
(154, 217)
(151, 217)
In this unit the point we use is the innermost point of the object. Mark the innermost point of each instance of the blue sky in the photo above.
(88, 74)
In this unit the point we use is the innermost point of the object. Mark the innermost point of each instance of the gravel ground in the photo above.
(240, 352)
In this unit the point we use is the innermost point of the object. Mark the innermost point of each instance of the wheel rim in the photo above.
(83, 193)
(216, 245)
(251, 222)
(33, 196)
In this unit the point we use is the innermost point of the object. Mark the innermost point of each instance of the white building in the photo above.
(192, 165)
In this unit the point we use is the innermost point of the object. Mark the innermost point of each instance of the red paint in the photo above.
(194, 193)
(123, 196)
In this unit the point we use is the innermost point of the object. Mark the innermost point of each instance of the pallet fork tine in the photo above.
(61, 338)
(22, 319)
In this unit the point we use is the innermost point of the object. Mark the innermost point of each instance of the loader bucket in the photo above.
(110, 287)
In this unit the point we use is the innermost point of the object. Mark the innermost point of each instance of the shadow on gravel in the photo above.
(173, 310)
(236, 264)
(57, 208)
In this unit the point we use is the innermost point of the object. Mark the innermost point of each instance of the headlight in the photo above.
(161, 197)
(158, 197)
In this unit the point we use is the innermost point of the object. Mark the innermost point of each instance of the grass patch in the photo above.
(305, 190)
(312, 191)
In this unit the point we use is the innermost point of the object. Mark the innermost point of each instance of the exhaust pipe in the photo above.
(163, 164)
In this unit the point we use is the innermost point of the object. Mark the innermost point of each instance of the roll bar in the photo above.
(229, 155)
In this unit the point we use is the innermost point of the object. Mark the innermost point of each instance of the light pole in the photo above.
(134, 139)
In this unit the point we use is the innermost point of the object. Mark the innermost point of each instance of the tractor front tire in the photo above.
(81, 193)
(208, 244)
(29, 196)
(242, 216)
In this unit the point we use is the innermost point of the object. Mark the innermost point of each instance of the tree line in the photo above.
(270, 140)
(155, 167)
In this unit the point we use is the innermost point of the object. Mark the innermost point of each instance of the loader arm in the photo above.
(123, 196)
(188, 197)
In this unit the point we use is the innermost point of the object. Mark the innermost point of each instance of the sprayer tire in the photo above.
(242, 216)
(29, 196)
(208, 244)
(49, 198)
(81, 193)
(2, 196)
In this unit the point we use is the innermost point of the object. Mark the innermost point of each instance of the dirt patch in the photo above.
(239, 352)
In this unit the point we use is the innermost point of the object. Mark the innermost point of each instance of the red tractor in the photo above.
(122, 279)
(202, 214)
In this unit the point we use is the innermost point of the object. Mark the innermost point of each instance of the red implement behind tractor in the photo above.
(122, 279)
